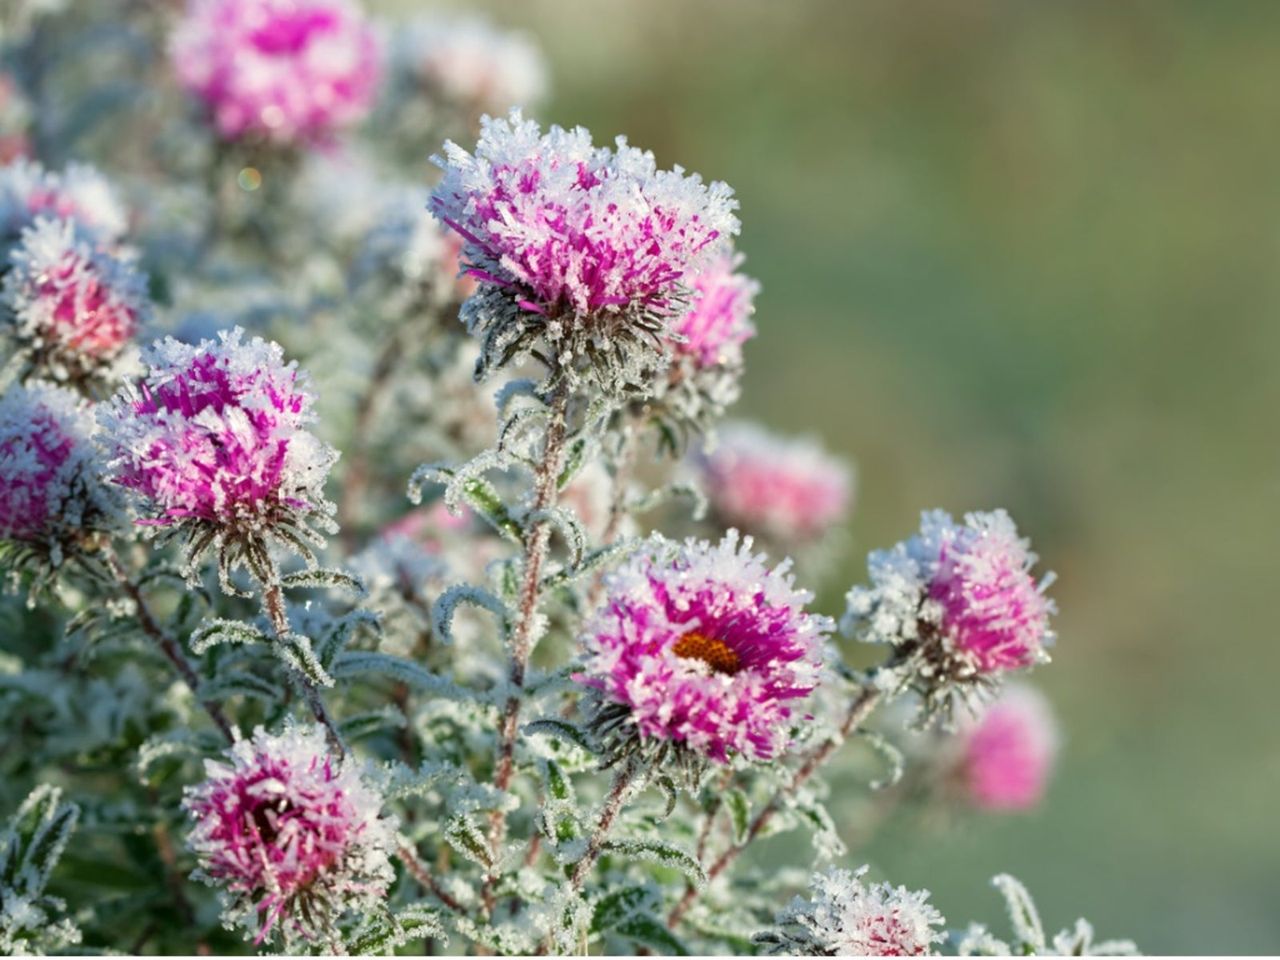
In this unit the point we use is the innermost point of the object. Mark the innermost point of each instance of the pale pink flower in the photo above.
(718, 321)
(1008, 752)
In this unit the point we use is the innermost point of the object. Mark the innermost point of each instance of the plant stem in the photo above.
(273, 605)
(537, 542)
(167, 644)
(426, 880)
(861, 708)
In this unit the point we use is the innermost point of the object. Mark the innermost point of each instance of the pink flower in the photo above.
(961, 593)
(50, 484)
(1009, 751)
(718, 322)
(291, 71)
(843, 917)
(786, 488)
(566, 227)
(216, 433)
(703, 646)
(73, 305)
(79, 194)
(290, 833)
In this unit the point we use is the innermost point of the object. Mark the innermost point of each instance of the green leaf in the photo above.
(213, 632)
(323, 579)
(464, 835)
(617, 905)
(351, 663)
(561, 730)
(295, 650)
(650, 932)
(740, 812)
(34, 840)
(483, 497)
(667, 854)
(558, 785)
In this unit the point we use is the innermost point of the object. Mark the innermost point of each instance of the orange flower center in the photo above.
(714, 653)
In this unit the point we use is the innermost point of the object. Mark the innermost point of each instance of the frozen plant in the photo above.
(31, 921)
(79, 194)
(1029, 938)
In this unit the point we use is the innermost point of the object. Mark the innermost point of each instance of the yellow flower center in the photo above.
(714, 653)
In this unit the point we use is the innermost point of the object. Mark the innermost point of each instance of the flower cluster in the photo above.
(215, 434)
(79, 194)
(843, 917)
(74, 307)
(587, 246)
(51, 489)
(959, 603)
(1008, 752)
(293, 836)
(787, 489)
(703, 647)
(287, 71)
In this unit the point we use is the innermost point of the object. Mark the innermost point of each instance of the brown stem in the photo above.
(356, 481)
(168, 646)
(273, 605)
(537, 542)
(426, 880)
(859, 710)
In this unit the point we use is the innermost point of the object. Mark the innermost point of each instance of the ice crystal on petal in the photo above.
(718, 321)
(292, 835)
(785, 488)
(73, 307)
(845, 917)
(79, 194)
(1008, 751)
(51, 486)
(703, 646)
(586, 246)
(959, 601)
(467, 61)
(216, 433)
(289, 71)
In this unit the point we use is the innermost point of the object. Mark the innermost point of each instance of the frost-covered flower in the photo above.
(702, 646)
(290, 71)
(467, 61)
(215, 434)
(293, 835)
(785, 488)
(587, 246)
(79, 194)
(843, 917)
(74, 307)
(1007, 753)
(718, 321)
(958, 601)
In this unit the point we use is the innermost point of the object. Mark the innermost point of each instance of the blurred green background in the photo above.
(1024, 254)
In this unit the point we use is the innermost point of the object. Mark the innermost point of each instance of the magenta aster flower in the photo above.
(290, 71)
(73, 306)
(216, 434)
(702, 646)
(292, 835)
(958, 600)
(843, 917)
(718, 321)
(1009, 751)
(79, 194)
(785, 488)
(588, 246)
(51, 489)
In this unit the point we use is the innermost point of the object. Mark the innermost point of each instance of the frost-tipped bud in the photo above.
(79, 194)
(584, 247)
(959, 603)
(52, 493)
(466, 62)
(1007, 754)
(701, 648)
(288, 71)
(214, 437)
(292, 835)
(71, 308)
(843, 917)
(787, 489)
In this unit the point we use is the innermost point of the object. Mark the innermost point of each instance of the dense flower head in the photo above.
(845, 917)
(290, 832)
(50, 480)
(291, 71)
(568, 227)
(79, 194)
(718, 321)
(216, 432)
(74, 305)
(785, 488)
(705, 646)
(467, 61)
(1008, 752)
(962, 593)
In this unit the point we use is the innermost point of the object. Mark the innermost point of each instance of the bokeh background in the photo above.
(1023, 254)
